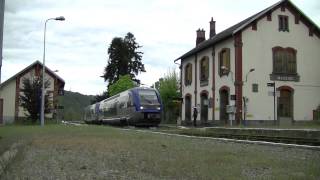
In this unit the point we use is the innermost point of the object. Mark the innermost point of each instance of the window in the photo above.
(188, 74)
(283, 23)
(204, 71)
(284, 64)
(284, 61)
(254, 87)
(224, 62)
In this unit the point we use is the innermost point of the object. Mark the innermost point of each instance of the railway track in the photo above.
(276, 139)
(308, 141)
(300, 141)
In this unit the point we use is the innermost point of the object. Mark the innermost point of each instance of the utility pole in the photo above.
(1, 32)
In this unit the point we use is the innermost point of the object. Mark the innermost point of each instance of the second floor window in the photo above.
(224, 61)
(188, 74)
(283, 23)
(284, 60)
(204, 69)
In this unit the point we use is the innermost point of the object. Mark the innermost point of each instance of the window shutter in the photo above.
(228, 59)
(219, 63)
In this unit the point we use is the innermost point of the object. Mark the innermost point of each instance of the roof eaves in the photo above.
(28, 67)
(256, 16)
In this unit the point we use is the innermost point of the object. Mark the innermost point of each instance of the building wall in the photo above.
(7, 92)
(224, 81)
(207, 88)
(214, 110)
(257, 53)
(187, 89)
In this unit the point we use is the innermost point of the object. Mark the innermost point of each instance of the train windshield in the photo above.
(148, 97)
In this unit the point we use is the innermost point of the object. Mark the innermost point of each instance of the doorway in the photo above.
(224, 101)
(204, 107)
(187, 109)
(285, 106)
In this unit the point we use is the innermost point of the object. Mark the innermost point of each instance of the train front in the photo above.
(148, 107)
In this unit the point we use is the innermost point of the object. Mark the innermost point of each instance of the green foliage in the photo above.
(30, 99)
(168, 88)
(124, 58)
(74, 104)
(124, 83)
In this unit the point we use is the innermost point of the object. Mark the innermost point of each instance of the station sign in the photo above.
(270, 84)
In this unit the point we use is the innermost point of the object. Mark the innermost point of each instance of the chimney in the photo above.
(212, 28)
(201, 36)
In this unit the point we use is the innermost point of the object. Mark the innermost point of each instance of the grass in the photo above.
(101, 152)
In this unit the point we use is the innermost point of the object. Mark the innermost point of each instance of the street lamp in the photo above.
(245, 99)
(60, 18)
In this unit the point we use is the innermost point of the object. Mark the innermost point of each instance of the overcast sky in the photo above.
(78, 46)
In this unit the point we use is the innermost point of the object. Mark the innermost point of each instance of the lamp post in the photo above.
(245, 99)
(60, 18)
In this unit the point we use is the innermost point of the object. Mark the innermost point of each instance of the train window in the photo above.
(148, 97)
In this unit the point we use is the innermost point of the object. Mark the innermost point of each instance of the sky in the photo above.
(77, 47)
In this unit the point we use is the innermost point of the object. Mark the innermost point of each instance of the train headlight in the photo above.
(141, 107)
(158, 108)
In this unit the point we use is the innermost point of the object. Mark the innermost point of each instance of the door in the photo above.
(187, 109)
(224, 101)
(204, 108)
(285, 107)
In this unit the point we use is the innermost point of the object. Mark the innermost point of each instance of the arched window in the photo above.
(284, 60)
(188, 74)
(204, 71)
(224, 61)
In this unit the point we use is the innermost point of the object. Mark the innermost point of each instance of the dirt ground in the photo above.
(99, 152)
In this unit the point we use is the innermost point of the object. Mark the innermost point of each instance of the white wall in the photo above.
(224, 80)
(257, 53)
(187, 89)
(219, 81)
(8, 93)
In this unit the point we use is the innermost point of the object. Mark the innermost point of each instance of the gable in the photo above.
(36, 68)
(251, 21)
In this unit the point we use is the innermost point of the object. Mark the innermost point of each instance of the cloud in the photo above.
(78, 46)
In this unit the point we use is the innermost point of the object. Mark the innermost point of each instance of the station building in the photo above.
(233, 74)
(10, 109)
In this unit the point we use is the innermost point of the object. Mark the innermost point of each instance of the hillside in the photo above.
(74, 104)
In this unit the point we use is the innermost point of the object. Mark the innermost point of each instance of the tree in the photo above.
(124, 58)
(169, 90)
(124, 83)
(100, 97)
(30, 99)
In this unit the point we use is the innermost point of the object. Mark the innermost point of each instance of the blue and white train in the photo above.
(138, 106)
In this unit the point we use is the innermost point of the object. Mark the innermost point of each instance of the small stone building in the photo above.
(10, 109)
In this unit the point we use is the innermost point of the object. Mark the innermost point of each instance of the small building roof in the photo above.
(229, 32)
(28, 69)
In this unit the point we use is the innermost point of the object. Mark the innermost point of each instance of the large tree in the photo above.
(169, 91)
(124, 58)
(30, 98)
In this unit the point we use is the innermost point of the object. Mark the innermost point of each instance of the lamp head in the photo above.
(60, 18)
(224, 68)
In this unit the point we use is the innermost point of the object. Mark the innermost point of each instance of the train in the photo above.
(139, 106)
